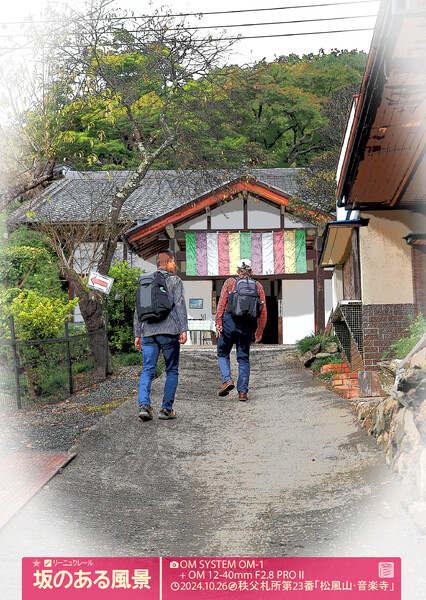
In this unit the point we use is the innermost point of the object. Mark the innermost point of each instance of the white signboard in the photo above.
(100, 283)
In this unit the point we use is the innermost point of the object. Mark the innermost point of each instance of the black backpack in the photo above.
(153, 303)
(244, 302)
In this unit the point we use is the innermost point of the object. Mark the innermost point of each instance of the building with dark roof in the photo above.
(210, 219)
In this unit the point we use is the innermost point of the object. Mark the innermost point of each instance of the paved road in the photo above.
(287, 474)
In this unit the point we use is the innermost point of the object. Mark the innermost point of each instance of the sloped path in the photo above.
(287, 474)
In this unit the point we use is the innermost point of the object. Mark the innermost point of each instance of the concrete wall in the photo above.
(386, 276)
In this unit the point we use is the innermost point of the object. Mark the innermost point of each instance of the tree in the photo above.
(283, 115)
(317, 182)
(38, 101)
(142, 74)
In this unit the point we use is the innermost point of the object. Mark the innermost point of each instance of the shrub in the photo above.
(404, 345)
(120, 306)
(25, 267)
(308, 342)
(36, 318)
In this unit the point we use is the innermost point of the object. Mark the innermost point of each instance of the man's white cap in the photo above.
(244, 263)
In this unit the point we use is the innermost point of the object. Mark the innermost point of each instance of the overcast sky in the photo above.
(251, 49)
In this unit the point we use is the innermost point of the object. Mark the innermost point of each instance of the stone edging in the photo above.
(396, 430)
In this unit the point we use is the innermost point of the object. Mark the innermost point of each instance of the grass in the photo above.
(126, 360)
(330, 360)
(308, 342)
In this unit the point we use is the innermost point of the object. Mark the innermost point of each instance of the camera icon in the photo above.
(174, 564)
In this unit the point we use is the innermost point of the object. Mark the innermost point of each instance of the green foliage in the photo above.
(404, 345)
(120, 306)
(31, 268)
(127, 360)
(316, 364)
(36, 317)
(308, 342)
(269, 114)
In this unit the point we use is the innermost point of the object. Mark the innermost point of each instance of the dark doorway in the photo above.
(272, 289)
(270, 335)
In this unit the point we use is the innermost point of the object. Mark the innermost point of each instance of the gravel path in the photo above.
(58, 426)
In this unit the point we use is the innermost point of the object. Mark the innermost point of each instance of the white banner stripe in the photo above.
(212, 254)
(267, 253)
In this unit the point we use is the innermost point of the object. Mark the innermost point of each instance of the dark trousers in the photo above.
(241, 335)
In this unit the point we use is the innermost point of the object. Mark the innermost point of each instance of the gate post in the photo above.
(70, 381)
(15, 361)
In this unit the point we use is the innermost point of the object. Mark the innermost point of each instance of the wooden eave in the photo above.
(144, 239)
(336, 241)
(385, 160)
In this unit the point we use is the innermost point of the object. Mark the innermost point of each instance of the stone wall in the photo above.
(398, 422)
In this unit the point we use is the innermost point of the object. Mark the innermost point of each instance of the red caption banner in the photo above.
(211, 578)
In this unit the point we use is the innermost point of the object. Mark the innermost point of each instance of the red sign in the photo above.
(180, 578)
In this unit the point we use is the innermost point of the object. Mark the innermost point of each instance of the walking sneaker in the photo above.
(146, 413)
(226, 388)
(166, 414)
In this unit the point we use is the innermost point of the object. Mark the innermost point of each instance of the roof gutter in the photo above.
(364, 116)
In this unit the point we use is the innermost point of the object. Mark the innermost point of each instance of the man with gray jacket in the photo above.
(165, 335)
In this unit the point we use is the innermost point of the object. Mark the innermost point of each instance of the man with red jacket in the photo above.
(232, 330)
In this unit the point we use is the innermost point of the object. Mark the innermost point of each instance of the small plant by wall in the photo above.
(404, 345)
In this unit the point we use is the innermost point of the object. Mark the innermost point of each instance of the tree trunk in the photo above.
(92, 310)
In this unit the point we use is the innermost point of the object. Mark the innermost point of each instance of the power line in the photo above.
(254, 37)
(234, 25)
(218, 12)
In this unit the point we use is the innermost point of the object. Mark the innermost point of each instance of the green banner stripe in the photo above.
(191, 254)
(245, 244)
(301, 266)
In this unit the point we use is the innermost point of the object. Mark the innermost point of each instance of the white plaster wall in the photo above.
(342, 214)
(386, 274)
(229, 215)
(328, 298)
(146, 265)
(262, 215)
(337, 285)
(199, 289)
(291, 222)
(199, 222)
(298, 309)
(86, 255)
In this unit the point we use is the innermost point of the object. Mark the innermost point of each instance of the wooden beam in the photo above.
(319, 304)
(356, 264)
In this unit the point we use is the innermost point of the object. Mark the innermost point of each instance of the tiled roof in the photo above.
(86, 196)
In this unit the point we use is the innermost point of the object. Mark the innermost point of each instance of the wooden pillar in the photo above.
(319, 304)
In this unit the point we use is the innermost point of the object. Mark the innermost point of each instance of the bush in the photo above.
(36, 318)
(120, 306)
(25, 267)
(308, 342)
(404, 345)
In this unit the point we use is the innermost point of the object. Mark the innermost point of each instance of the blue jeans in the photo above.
(241, 336)
(151, 346)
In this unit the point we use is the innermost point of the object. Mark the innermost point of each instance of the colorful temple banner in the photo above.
(271, 252)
